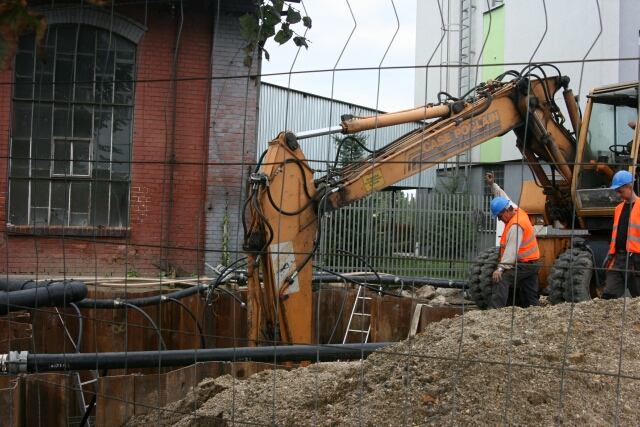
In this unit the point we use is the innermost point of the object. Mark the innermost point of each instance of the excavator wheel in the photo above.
(570, 277)
(481, 283)
(480, 272)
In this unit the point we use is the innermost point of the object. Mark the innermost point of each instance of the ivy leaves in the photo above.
(260, 25)
(16, 19)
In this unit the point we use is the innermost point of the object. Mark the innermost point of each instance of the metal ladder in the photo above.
(75, 376)
(80, 392)
(360, 319)
(464, 78)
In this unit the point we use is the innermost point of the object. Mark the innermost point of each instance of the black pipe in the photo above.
(391, 280)
(10, 285)
(142, 302)
(144, 359)
(43, 294)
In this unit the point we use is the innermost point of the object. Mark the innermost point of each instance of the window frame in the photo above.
(121, 54)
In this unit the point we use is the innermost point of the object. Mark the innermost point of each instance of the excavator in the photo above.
(572, 169)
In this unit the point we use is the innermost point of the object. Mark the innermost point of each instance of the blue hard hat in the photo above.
(497, 205)
(621, 178)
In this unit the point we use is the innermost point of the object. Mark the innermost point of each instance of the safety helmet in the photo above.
(621, 178)
(498, 204)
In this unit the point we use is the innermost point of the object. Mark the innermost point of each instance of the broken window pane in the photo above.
(39, 216)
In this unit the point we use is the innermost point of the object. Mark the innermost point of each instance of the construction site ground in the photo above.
(569, 365)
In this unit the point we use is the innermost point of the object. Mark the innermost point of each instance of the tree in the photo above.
(351, 148)
(260, 25)
(15, 20)
(453, 226)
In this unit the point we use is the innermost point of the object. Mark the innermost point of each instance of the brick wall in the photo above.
(174, 206)
(232, 146)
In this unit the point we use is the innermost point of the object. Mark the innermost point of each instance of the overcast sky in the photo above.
(374, 23)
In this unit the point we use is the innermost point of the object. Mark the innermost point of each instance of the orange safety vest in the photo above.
(633, 233)
(529, 248)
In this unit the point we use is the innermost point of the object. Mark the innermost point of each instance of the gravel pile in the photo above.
(526, 369)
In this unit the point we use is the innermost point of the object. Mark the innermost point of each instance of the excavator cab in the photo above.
(607, 143)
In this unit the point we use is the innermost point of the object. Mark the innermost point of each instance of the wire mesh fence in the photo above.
(431, 235)
(137, 205)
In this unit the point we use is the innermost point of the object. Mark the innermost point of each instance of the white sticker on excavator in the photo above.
(284, 264)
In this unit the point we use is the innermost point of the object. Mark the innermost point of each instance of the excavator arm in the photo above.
(286, 202)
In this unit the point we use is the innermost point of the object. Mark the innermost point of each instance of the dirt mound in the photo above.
(485, 368)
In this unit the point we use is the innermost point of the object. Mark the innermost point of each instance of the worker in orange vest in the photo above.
(519, 256)
(623, 260)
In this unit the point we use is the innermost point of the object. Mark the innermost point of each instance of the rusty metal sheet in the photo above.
(11, 401)
(390, 319)
(327, 314)
(185, 334)
(436, 314)
(15, 332)
(226, 322)
(51, 400)
(115, 404)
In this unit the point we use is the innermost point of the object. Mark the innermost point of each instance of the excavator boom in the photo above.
(286, 201)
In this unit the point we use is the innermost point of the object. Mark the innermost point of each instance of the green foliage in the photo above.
(352, 148)
(226, 236)
(132, 273)
(452, 228)
(15, 20)
(260, 25)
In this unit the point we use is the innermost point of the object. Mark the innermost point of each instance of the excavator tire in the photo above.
(570, 277)
(480, 272)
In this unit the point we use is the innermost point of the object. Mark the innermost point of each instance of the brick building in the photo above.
(127, 151)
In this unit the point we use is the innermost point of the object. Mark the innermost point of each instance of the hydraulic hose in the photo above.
(193, 316)
(142, 302)
(22, 362)
(44, 294)
(126, 304)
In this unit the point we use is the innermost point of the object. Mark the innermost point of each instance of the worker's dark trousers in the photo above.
(627, 278)
(527, 279)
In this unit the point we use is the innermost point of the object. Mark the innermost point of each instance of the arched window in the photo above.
(70, 158)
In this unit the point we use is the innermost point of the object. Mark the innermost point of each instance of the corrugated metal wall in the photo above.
(283, 109)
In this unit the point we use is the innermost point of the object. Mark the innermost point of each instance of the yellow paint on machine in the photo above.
(373, 180)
